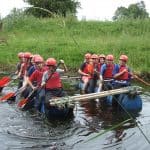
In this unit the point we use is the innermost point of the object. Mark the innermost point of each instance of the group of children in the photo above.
(99, 72)
(41, 77)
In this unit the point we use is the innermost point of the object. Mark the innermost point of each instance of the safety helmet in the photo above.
(87, 55)
(34, 56)
(51, 62)
(124, 58)
(110, 57)
(94, 56)
(27, 55)
(102, 56)
(38, 59)
(20, 55)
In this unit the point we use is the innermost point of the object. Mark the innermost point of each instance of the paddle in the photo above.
(7, 96)
(4, 81)
(10, 95)
(141, 80)
(22, 103)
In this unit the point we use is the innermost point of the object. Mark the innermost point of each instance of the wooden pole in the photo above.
(141, 80)
(70, 77)
(86, 97)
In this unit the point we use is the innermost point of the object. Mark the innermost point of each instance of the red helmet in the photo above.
(27, 55)
(102, 56)
(20, 55)
(34, 56)
(110, 57)
(38, 59)
(87, 55)
(124, 58)
(51, 62)
(94, 56)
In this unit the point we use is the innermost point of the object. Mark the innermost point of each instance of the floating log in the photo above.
(85, 97)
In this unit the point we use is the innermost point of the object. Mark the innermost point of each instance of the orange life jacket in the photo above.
(85, 70)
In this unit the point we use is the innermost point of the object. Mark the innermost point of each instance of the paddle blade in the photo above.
(4, 81)
(22, 103)
(7, 96)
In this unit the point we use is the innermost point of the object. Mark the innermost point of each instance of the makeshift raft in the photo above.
(128, 98)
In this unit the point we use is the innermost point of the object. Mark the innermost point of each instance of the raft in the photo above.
(52, 112)
(129, 102)
(127, 98)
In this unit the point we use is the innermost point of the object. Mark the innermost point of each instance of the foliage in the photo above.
(57, 7)
(134, 11)
(69, 39)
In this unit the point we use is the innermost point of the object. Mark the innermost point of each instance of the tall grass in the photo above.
(70, 39)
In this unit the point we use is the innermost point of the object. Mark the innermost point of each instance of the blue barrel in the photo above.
(130, 103)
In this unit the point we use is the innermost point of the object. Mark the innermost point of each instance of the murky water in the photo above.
(27, 130)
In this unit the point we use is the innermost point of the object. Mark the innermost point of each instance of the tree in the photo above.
(134, 11)
(45, 8)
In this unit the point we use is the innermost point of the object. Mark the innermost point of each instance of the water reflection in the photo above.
(100, 118)
(26, 130)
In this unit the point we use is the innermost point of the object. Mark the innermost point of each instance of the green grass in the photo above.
(70, 39)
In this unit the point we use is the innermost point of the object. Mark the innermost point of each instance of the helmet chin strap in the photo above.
(52, 69)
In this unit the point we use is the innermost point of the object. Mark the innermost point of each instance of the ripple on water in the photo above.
(26, 130)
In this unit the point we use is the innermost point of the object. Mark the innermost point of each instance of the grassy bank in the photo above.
(69, 39)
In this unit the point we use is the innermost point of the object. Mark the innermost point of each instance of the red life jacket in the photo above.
(108, 74)
(37, 76)
(124, 76)
(99, 67)
(54, 81)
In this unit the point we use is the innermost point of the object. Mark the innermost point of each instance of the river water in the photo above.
(28, 130)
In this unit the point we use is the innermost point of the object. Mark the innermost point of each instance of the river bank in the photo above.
(70, 39)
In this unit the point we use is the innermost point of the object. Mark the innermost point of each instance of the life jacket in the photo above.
(54, 81)
(85, 69)
(89, 69)
(36, 77)
(24, 69)
(124, 76)
(108, 74)
(99, 67)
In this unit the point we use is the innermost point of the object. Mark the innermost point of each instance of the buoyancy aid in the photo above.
(23, 69)
(99, 67)
(124, 76)
(108, 74)
(85, 69)
(54, 81)
(89, 69)
(36, 77)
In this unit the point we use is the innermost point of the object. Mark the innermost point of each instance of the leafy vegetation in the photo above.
(57, 7)
(134, 11)
(70, 39)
